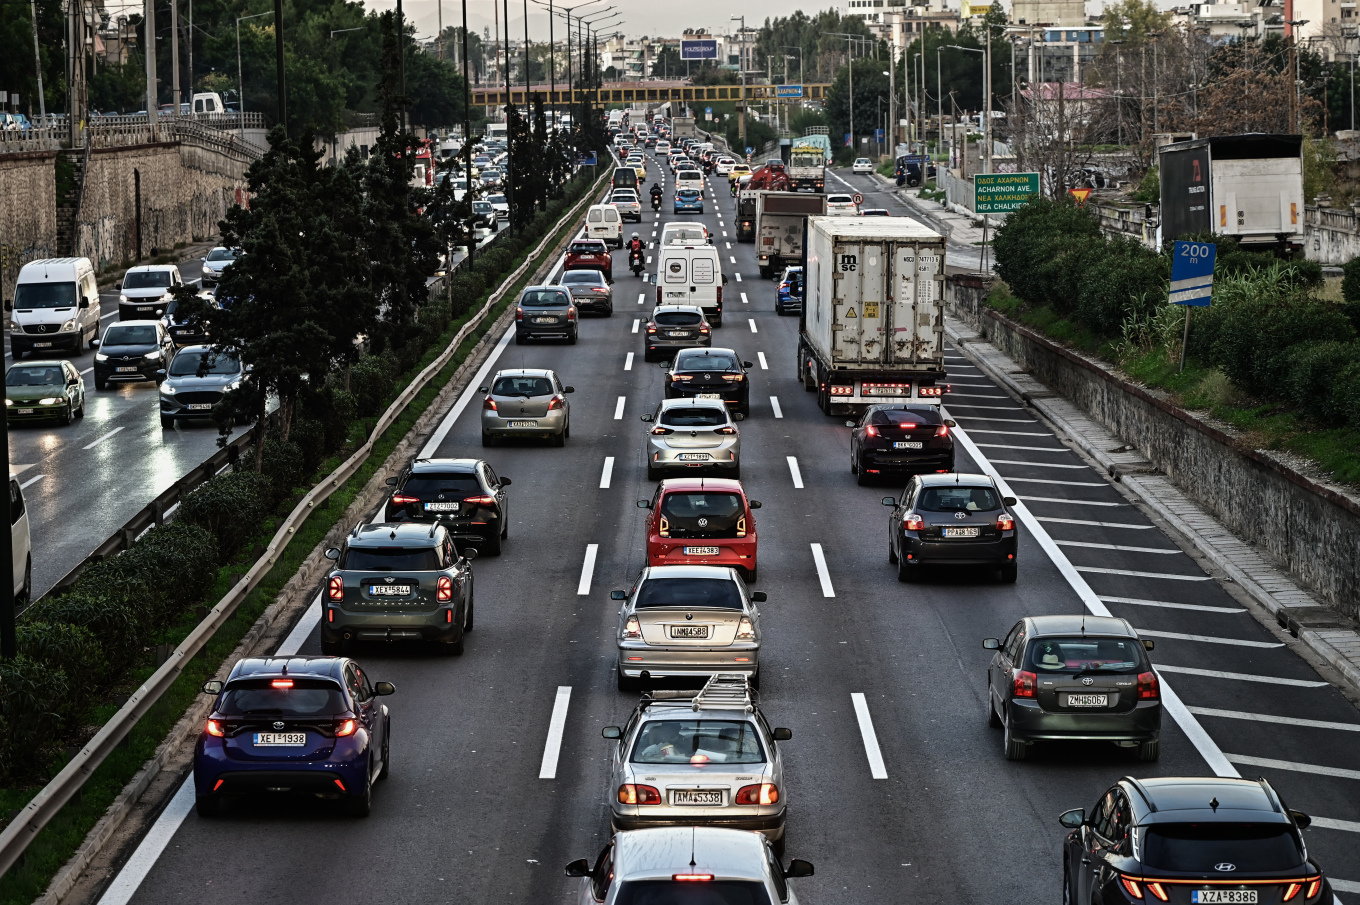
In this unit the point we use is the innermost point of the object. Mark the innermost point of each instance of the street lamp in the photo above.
(986, 83)
(240, 86)
(741, 111)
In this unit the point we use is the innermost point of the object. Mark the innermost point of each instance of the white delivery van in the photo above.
(209, 102)
(145, 291)
(55, 306)
(603, 221)
(691, 275)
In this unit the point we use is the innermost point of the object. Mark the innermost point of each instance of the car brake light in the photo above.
(703, 328)
(215, 729)
(1156, 890)
(691, 878)
(337, 588)
(345, 728)
(872, 431)
(913, 522)
(1004, 522)
(735, 378)
(281, 683)
(1131, 885)
(726, 430)
(632, 628)
(519, 313)
(482, 500)
(555, 403)
(942, 430)
(489, 404)
(1290, 891)
(599, 289)
(1149, 689)
(745, 630)
(444, 588)
(1314, 887)
(757, 793)
(402, 499)
(651, 329)
(571, 313)
(663, 527)
(630, 793)
(719, 295)
(662, 430)
(1022, 683)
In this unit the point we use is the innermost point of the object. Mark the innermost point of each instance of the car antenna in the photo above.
(692, 831)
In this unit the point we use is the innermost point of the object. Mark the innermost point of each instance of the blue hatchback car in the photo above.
(307, 725)
(689, 201)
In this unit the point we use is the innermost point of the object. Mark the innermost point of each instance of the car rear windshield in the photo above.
(522, 386)
(955, 498)
(589, 277)
(222, 254)
(40, 376)
(147, 279)
(130, 336)
(544, 298)
(1073, 655)
(697, 416)
(45, 295)
(689, 592)
(187, 363)
(904, 417)
(495, 199)
(702, 513)
(688, 194)
(457, 485)
(677, 318)
(705, 361)
(307, 697)
(690, 892)
(1199, 847)
(585, 248)
(698, 741)
(392, 559)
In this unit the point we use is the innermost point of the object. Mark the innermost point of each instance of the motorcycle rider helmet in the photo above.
(635, 235)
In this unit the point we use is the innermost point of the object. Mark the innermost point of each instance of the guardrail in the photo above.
(36, 138)
(52, 797)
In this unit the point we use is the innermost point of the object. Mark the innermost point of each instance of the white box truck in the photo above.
(780, 220)
(872, 327)
(683, 127)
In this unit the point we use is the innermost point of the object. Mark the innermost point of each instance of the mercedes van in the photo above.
(691, 275)
(55, 306)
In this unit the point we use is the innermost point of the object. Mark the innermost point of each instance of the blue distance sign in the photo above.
(706, 49)
(1192, 273)
(788, 90)
(586, 159)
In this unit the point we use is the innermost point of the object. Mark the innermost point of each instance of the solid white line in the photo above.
(1079, 543)
(1171, 702)
(618, 408)
(636, 322)
(302, 631)
(628, 362)
(587, 569)
(743, 299)
(1078, 521)
(760, 356)
(437, 438)
(1051, 499)
(1349, 826)
(1033, 464)
(1209, 639)
(774, 404)
(752, 322)
(124, 885)
(1316, 769)
(797, 475)
(823, 575)
(1023, 448)
(1271, 718)
(1168, 605)
(103, 438)
(1060, 483)
(607, 473)
(1239, 676)
(993, 408)
(556, 724)
(877, 769)
(1134, 573)
(33, 480)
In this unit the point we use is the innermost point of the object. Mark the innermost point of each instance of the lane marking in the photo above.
(997, 420)
(1120, 547)
(793, 470)
(1295, 766)
(1051, 499)
(556, 725)
(607, 473)
(1349, 826)
(1209, 639)
(958, 383)
(437, 438)
(628, 362)
(649, 259)
(1079, 521)
(1168, 605)
(103, 438)
(760, 356)
(877, 769)
(1239, 676)
(738, 276)
(774, 404)
(124, 885)
(1134, 573)
(977, 396)
(724, 232)
(641, 296)
(302, 631)
(752, 322)
(1021, 448)
(823, 575)
(587, 570)
(33, 480)
(729, 245)
(743, 298)
(636, 322)
(87, 370)
(618, 408)
(992, 408)
(1035, 464)
(1060, 483)
(731, 259)
(1271, 718)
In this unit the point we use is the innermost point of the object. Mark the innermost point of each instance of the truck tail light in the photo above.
(758, 793)
(913, 522)
(658, 295)
(630, 793)
(444, 589)
(1004, 522)
(1149, 688)
(720, 296)
(1022, 684)
(842, 390)
(632, 628)
(929, 391)
(336, 588)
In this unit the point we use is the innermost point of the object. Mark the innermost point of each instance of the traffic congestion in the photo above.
(704, 583)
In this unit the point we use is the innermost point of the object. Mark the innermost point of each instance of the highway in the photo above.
(495, 785)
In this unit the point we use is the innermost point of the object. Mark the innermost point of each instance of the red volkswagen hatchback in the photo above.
(702, 522)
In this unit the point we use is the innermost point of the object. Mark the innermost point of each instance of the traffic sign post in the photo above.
(1192, 280)
(1000, 193)
(788, 91)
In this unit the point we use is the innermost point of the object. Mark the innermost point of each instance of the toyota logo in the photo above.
(278, 724)
(703, 523)
(960, 515)
(1087, 680)
(1225, 866)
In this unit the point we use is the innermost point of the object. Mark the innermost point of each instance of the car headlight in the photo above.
(155, 354)
(9, 402)
(51, 400)
(167, 390)
(68, 326)
(122, 299)
(234, 385)
(207, 271)
(100, 356)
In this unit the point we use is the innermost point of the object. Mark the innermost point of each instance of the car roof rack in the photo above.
(722, 691)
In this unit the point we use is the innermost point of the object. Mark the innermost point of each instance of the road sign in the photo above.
(1001, 193)
(878, 136)
(586, 159)
(858, 198)
(788, 90)
(1192, 273)
(750, 151)
(1080, 194)
(698, 50)
(708, 111)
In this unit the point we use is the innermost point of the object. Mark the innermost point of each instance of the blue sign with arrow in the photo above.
(1192, 273)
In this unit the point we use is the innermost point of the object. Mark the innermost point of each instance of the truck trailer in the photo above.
(872, 326)
(807, 162)
(683, 127)
(780, 222)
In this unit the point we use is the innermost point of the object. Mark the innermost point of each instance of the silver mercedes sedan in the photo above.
(693, 434)
(590, 290)
(526, 403)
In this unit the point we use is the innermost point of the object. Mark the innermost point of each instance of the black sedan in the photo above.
(710, 374)
(891, 438)
(132, 350)
(465, 494)
(952, 519)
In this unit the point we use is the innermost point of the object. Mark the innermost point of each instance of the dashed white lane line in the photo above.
(738, 276)
(729, 246)
(743, 298)
(877, 769)
(618, 408)
(774, 404)
(1134, 573)
(431, 447)
(1061, 449)
(1272, 718)
(1053, 499)
(793, 470)
(637, 321)
(587, 570)
(556, 725)
(607, 473)
(1060, 483)
(731, 259)
(819, 559)
(103, 438)
(1079, 521)
(1295, 766)
(649, 259)
(1120, 547)
(1168, 605)
(628, 362)
(1209, 639)
(33, 480)
(752, 322)
(87, 370)
(724, 232)
(641, 296)
(1239, 676)
(760, 356)
(1349, 826)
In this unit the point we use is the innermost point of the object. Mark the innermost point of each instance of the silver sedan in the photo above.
(526, 402)
(590, 290)
(693, 434)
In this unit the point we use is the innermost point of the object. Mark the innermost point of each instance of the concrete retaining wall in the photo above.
(28, 212)
(1309, 529)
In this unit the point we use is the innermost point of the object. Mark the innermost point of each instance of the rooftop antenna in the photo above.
(1083, 623)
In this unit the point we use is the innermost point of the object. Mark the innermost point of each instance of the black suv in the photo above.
(464, 494)
(1190, 840)
(398, 583)
(710, 372)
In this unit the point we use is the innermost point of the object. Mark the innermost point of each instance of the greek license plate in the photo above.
(909, 444)
(545, 320)
(42, 345)
(389, 590)
(961, 532)
(1231, 896)
(143, 307)
(280, 739)
(677, 333)
(24, 412)
(524, 424)
(693, 457)
(701, 551)
(441, 507)
(697, 796)
(200, 406)
(708, 395)
(125, 370)
(1089, 700)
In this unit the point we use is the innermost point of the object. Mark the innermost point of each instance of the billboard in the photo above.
(695, 49)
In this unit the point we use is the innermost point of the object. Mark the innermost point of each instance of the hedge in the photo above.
(231, 506)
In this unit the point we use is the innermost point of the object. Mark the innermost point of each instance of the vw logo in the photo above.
(960, 515)
(1225, 866)
(278, 725)
(703, 523)
(1087, 680)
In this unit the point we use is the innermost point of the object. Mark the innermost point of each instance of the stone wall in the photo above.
(1308, 528)
(1331, 235)
(28, 212)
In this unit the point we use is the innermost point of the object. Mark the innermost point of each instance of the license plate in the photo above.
(524, 424)
(908, 444)
(701, 551)
(693, 457)
(697, 796)
(545, 320)
(280, 739)
(960, 532)
(1231, 896)
(200, 406)
(441, 507)
(1087, 700)
(24, 412)
(708, 395)
(125, 370)
(389, 590)
(143, 307)
(42, 345)
(681, 333)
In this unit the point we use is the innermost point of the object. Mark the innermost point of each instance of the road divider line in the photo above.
(1167, 604)
(587, 570)
(556, 725)
(729, 246)
(1134, 573)
(649, 259)
(1061, 449)
(1036, 464)
(1120, 547)
(1078, 521)
(877, 769)
(628, 362)
(752, 322)
(87, 370)
(1272, 718)
(641, 296)
(637, 321)
(1327, 823)
(148, 852)
(760, 356)
(743, 299)
(793, 470)
(1239, 676)
(732, 259)
(1059, 483)
(819, 559)
(437, 438)
(33, 480)
(774, 404)
(618, 408)
(1294, 766)
(738, 276)
(1209, 639)
(103, 438)
(607, 473)
(1054, 499)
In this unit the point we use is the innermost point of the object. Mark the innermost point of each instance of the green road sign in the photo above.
(1001, 193)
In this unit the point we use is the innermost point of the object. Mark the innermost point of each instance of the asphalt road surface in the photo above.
(913, 802)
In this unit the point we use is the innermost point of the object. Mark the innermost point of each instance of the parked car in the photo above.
(195, 381)
(41, 390)
(526, 403)
(952, 519)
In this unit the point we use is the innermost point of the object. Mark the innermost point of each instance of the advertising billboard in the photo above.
(698, 49)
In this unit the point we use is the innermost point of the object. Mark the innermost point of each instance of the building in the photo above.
(906, 25)
(1060, 54)
(1061, 13)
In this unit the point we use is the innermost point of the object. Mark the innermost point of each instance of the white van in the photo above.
(691, 275)
(603, 221)
(209, 102)
(55, 306)
(21, 543)
(145, 291)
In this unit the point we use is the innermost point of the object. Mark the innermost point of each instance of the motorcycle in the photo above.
(656, 201)
(635, 262)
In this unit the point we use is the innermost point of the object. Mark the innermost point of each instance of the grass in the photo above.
(937, 196)
(58, 841)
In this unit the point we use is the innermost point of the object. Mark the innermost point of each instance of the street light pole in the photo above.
(467, 144)
(278, 52)
(741, 110)
(240, 83)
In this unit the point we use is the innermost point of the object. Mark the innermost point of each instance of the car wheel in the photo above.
(1015, 750)
(854, 466)
(777, 846)
(1067, 883)
(752, 574)
(167, 423)
(454, 648)
(993, 719)
(1150, 751)
(624, 682)
(332, 648)
(492, 546)
(609, 311)
(487, 439)
(208, 806)
(560, 439)
(571, 340)
(80, 412)
(567, 431)
(66, 416)
(14, 352)
(905, 573)
(519, 340)
(892, 554)
(1009, 573)
(387, 757)
(469, 612)
(361, 805)
(26, 592)
(653, 474)
(754, 681)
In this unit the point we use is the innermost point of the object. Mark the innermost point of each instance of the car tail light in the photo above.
(663, 527)
(1149, 689)
(330, 614)
(339, 785)
(444, 588)
(489, 404)
(725, 430)
(735, 378)
(1022, 683)
(1314, 887)
(1004, 522)
(659, 431)
(599, 289)
(913, 522)
(720, 295)
(691, 878)
(571, 313)
(745, 630)
(651, 328)
(632, 628)
(703, 328)
(336, 588)
(281, 683)
(1291, 891)
(1156, 890)
(942, 430)
(741, 526)
(681, 377)
(482, 500)
(630, 793)
(872, 431)
(215, 729)
(345, 728)
(519, 314)
(758, 793)
(402, 499)
(555, 403)
(1131, 886)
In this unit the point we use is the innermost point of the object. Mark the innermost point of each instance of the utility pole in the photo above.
(401, 59)
(149, 52)
(509, 138)
(526, 56)
(892, 100)
(467, 143)
(76, 93)
(278, 52)
(9, 641)
(174, 55)
(741, 110)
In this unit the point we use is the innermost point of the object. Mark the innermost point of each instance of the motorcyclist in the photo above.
(656, 194)
(634, 246)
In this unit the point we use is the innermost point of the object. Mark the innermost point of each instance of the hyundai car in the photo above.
(710, 374)
(891, 438)
(526, 403)
(952, 519)
(702, 522)
(465, 495)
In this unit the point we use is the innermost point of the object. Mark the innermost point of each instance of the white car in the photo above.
(628, 204)
(841, 205)
(689, 179)
(862, 165)
(500, 206)
(724, 166)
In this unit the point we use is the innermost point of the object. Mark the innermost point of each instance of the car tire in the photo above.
(387, 756)
(98, 384)
(80, 412)
(571, 340)
(487, 439)
(361, 805)
(560, 439)
(1015, 750)
(332, 648)
(754, 681)
(624, 682)
(1009, 573)
(854, 465)
(520, 340)
(470, 611)
(455, 648)
(609, 311)
(66, 416)
(167, 423)
(777, 846)
(207, 806)
(14, 352)
(492, 547)
(1067, 884)
(1150, 752)
(905, 573)
(993, 719)
(752, 574)
(566, 432)
(26, 592)
(892, 554)
(653, 474)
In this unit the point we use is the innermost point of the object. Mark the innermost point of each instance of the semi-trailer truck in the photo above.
(780, 220)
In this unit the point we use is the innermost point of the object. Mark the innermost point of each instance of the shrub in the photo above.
(231, 506)
(1350, 280)
(310, 436)
(283, 463)
(1309, 372)
(71, 648)
(1034, 244)
(1345, 394)
(33, 696)
(370, 380)
(181, 550)
(119, 626)
(1254, 336)
(1126, 280)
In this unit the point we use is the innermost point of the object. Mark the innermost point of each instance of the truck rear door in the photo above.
(857, 325)
(916, 304)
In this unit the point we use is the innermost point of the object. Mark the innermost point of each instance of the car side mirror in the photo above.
(759, 596)
(1072, 819)
(782, 735)
(94, 344)
(747, 364)
(618, 595)
(890, 501)
(798, 868)
(1149, 644)
(384, 688)
(569, 389)
(160, 375)
(850, 424)
(724, 276)
(470, 554)
(738, 417)
(506, 482)
(664, 365)
(118, 285)
(646, 418)
(611, 732)
(991, 644)
(481, 389)
(644, 504)
(756, 504)
(578, 868)
(1008, 500)
(1301, 820)
(949, 423)
(391, 482)
(84, 303)
(214, 686)
(333, 553)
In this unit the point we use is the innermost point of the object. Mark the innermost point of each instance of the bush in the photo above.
(33, 697)
(1255, 335)
(1350, 281)
(1345, 394)
(370, 380)
(1127, 280)
(1037, 247)
(119, 626)
(71, 648)
(182, 552)
(231, 507)
(283, 464)
(310, 436)
(1309, 372)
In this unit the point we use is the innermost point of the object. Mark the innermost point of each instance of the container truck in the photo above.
(683, 127)
(780, 218)
(872, 326)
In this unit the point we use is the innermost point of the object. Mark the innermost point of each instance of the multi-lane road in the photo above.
(499, 773)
